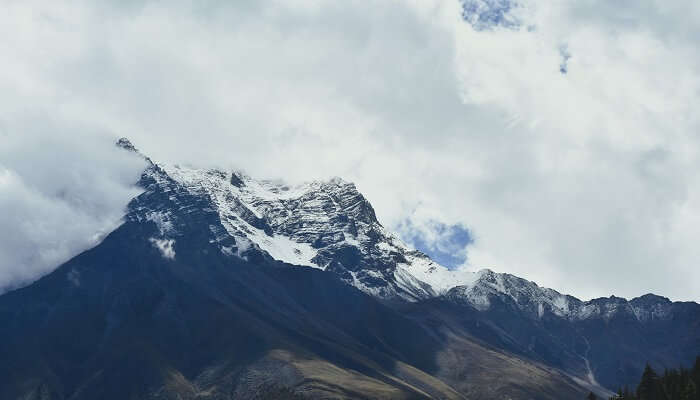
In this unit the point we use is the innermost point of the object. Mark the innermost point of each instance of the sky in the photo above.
(556, 140)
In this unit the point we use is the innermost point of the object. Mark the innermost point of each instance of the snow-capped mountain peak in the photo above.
(536, 301)
(325, 224)
(330, 225)
(126, 144)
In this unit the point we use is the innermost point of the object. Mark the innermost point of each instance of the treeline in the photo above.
(673, 384)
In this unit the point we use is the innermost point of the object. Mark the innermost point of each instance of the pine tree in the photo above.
(591, 396)
(674, 384)
(690, 392)
(619, 395)
(648, 388)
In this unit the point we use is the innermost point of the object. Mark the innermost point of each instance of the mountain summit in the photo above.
(220, 286)
(331, 226)
(125, 144)
(327, 225)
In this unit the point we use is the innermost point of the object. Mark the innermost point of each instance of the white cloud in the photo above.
(584, 182)
(61, 191)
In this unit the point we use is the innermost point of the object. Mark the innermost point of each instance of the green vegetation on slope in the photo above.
(674, 384)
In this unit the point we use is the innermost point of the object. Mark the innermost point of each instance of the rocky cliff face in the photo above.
(327, 225)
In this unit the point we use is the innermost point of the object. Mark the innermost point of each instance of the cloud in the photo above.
(582, 181)
(62, 188)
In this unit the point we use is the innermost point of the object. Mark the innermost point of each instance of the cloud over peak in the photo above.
(583, 181)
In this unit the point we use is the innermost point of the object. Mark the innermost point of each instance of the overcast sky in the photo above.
(556, 140)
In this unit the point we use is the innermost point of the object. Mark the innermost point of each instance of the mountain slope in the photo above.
(331, 226)
(603, 342)
(219, 286)
(167, 306)
(122, 320)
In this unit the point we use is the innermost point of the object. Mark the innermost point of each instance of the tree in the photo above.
(648, 388)
(690, 392)
(626, 394)
(695, 372)
(591, 396)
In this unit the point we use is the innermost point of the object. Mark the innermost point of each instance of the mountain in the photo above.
(602, 342)
(220, 286)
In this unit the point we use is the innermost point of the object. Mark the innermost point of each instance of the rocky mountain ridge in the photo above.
(218, 286)
(331, 226)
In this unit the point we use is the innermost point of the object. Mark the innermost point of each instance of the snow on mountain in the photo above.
(331, 226)
(534, 300)
(321, 224)
(526, 295)
(650, 307)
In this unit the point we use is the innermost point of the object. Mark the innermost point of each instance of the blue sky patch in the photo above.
(446, 244)
(486, 14)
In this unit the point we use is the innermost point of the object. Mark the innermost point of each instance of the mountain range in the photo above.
(220, 286)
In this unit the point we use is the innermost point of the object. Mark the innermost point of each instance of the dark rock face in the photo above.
(236, 180)
(125, 144)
